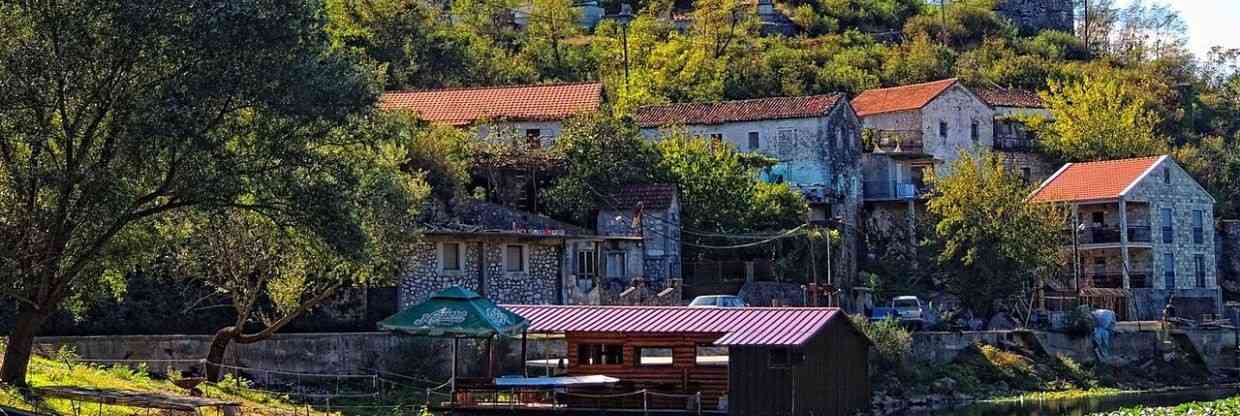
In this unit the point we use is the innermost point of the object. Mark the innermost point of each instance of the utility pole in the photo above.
(1088, 51)
(943, 26)
(625, 17)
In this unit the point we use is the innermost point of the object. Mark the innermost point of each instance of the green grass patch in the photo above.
(1230, 406)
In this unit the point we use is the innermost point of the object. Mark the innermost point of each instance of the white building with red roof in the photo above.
(535, 112)
(1145, 236)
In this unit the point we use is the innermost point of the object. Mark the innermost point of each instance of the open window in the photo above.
(654, 356)
(600, 354)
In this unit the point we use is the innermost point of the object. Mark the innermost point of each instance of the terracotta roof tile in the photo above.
(1005, 97)
(902, 98)
(462, 106)
(650, 196)
(733, 111)
(1093, 180)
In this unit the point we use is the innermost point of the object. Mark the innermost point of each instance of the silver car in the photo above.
(719, 301)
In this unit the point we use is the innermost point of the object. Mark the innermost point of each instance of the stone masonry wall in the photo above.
(539, 284)
(1033, 16)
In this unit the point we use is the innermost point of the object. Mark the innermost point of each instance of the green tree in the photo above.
(919, 60)
(552, 43)
(117, 114)
(1215, 163)
(994, 243)
(965, 25)
(603, 154)
(1097, 119)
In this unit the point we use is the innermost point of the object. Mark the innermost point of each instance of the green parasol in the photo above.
(457, 313)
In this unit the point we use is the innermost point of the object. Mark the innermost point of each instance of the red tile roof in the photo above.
(739, 110)
(1010, 97)
(902, 98)
(736, 326)
(1094, 180)
(650, 196)
(462, 106)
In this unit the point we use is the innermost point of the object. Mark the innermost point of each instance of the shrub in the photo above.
(892, 341)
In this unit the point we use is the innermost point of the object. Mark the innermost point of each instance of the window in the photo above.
(1168, 231)
(647, 356)
(587, 264)
(533, 137)
(716, 138)
(600, 354)
(1099, 219)
(754, 141)
(1100, 266)
(514, 258)
(786, 145)
(711, 355)
(616, 263)
(1199, 227)
(450, 257)
(1026, 176)
(1167, 176)
(1200, 262)
(785, 357)
(975, 131)
(943, 129)
(1169, 271)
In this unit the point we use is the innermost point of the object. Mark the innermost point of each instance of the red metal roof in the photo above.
(736, 326)
(901, 98)
(1094, 180)
(1010, 97)
(462, 106)
(732, 111)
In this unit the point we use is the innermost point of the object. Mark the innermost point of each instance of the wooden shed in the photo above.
(747, 361)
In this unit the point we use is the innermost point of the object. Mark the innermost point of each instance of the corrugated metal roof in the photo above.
(736, 326)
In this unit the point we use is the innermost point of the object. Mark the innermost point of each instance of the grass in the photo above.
(62, 370)
(1229, 406)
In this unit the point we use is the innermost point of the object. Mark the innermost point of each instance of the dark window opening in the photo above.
(754, 141)
(975, 131)
(514, 258)
(1199, 229)
(1168, 230)
(649, 356)
(1099, 219)
(600, 354)
(451, 257)
(1200, 261)
(533, 137)
(716, 138)
(943, 129)
(587, 264)
(1169, 271)
(1026, 176)
(786, 357)
(1167, 176)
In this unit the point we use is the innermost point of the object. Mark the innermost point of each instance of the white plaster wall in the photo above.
(1022, 112)
(549, 130)
(899, 120)
(960, 109)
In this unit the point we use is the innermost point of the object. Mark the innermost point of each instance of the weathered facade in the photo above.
(1013, 141)
(1144, 226)
(815, 139)
(1033, 16)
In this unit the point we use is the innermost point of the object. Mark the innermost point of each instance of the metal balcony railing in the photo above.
(896, 141)
(1014, 144)
(892, 190)
(1110, 235)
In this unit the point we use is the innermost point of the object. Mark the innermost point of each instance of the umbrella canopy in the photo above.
(456, 312)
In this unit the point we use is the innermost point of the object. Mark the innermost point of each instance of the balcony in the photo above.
(895, 142)
(892, 190)
(1014, 144)
(1110, 235)
(1138, 277)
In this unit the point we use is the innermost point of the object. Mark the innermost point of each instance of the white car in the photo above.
(908, 309)
(719, 301)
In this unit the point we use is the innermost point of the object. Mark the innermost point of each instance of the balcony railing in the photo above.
(892, 190)
(896, 141)
(1138, 277)
(1110, 235)
(1014, 144)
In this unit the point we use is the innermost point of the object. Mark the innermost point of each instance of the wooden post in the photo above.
(1123, 240)
(525, 370)
(452, 391)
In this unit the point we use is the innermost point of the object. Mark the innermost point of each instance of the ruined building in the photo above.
(1033, 16)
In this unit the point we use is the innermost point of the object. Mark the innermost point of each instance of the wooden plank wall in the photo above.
(833, 380)
(683, 376)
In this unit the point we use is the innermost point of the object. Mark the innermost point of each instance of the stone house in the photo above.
(1034, 16)
(814, 139)
(534, 113)
(1145, 236)
(1014, 142)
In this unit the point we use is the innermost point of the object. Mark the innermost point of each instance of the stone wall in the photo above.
(1130, 343)
(539, 284)
(1033, 16)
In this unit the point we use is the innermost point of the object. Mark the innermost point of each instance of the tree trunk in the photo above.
(219, 345)
(21, 345)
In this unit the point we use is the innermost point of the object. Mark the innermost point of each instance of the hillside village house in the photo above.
(814, 139)
(534, 113)
(1148, 231)
(1012, 140)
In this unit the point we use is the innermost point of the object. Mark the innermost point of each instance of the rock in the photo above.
(945, 385)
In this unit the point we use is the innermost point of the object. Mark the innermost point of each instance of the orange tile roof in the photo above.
(1094, 180)
(739, 110)
(902, 98)
(463, 106)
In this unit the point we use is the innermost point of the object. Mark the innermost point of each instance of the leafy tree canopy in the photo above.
(1097, 119)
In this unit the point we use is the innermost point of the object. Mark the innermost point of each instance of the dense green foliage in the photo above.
(994, 244)
(892, 341)
(1228, 406)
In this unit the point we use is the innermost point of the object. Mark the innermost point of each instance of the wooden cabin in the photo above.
(745, 361)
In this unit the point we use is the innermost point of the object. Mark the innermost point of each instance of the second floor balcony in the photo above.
(894, 142)
(1014, 144)
(1139, 234)
(893, 190)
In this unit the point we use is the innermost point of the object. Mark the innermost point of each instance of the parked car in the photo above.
(909, 311)
(719, 301)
